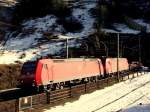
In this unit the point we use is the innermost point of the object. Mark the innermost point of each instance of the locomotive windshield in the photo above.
(29, 67)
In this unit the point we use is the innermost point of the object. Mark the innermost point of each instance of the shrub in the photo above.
(71, 24)
(39, 8)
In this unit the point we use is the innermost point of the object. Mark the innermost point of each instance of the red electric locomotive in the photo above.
(111, 65)
(56, 73)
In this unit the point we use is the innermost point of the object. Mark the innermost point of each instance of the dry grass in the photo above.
(8, 106)
(9, 75)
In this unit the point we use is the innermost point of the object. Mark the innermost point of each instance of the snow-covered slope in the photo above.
(28, 41)
(124, 29)
(121, 28)
(144, 23)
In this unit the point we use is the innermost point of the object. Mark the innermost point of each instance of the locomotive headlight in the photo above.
(33, 83)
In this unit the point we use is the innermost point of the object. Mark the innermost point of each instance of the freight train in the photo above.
(59, 73)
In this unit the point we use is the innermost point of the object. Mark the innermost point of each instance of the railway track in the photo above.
(9, 94)
(98, 109)
(57, 96)
(15, 93)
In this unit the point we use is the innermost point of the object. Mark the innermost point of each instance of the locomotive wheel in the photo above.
(49, 87)
(61, 85)
(58, 86)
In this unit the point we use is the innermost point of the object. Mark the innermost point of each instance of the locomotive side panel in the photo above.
(77, 69)
(93, 68)
(108, 65)
(44, 73)
(63, 71)
(123, 64)
(114, 64)
(90, 68)
(111, 65)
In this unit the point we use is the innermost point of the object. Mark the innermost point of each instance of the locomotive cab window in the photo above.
(28, 67)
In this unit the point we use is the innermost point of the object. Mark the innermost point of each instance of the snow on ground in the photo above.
(47, 23)
(27, 41)
(109, 30)
(130, 96)
(30, 54)
(8, 3)
(125, 29)
(82, 14)
(142, 22)
(121, 28)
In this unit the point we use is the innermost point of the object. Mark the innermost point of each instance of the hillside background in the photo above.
(94, 23)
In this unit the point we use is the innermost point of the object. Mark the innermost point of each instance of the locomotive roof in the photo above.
(75, 59)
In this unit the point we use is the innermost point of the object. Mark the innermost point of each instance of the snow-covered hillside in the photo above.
(28, 41)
